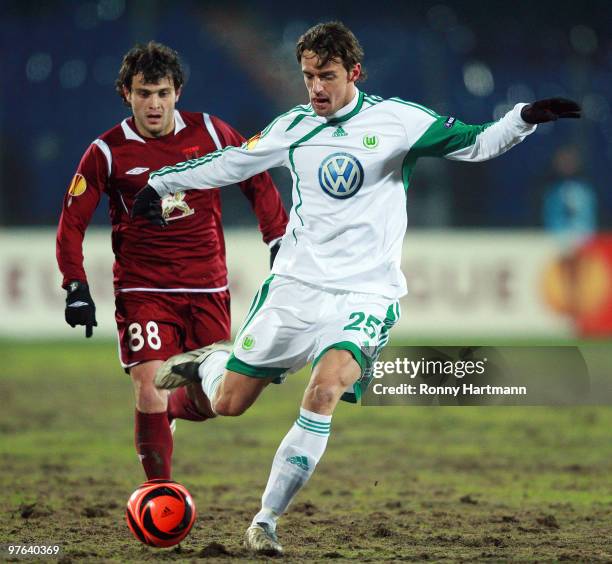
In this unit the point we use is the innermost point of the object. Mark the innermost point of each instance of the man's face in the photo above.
(330, 87)
(152, 105)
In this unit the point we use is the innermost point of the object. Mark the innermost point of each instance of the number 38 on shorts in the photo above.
(139, 336)
(142, 340)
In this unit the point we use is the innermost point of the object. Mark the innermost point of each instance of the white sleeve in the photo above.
(226, 166)
(495, 139)
(440, 136)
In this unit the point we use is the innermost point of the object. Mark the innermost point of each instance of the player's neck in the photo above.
(349, 106)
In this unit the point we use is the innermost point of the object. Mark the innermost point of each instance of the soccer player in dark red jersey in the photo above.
(171, 289)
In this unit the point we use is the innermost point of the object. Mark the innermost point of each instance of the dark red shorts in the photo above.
(157, 325)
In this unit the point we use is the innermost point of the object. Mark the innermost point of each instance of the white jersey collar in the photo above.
(179, 124)
(130, 133)
(346, 109)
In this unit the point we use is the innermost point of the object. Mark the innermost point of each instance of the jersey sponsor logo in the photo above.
(137, 170)
(370, 141)
(339, 132)
(252, 142)
(191, 152)
(450, 122)
(78, 185)
(248, 342)
(341, 175)
(174, 202)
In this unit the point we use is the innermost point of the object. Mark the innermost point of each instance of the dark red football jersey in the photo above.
(190, 252)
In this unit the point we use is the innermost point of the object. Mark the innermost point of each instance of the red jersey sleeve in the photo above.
(259, 190)
(80, 202)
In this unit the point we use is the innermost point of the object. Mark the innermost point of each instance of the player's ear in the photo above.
(127, 94)
(355, 73)
(178, 93)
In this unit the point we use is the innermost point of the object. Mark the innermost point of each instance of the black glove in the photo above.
(273, 252)
(550, 109)
(147, 204)
(80, 308)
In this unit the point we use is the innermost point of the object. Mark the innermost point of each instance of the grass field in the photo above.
(396, 483)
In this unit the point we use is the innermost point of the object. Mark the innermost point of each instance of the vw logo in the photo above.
(341, 175)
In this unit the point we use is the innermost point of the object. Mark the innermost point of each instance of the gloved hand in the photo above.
(147, 204)
(273, 252)
(80, 308)
(550, 109)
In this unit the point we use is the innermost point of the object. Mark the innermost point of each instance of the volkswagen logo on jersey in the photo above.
(341, 175)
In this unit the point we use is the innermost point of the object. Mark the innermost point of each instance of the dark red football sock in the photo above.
(182, 406)
(154, 444)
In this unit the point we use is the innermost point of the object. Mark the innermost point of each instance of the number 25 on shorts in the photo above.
(357, 319)
(150, 336)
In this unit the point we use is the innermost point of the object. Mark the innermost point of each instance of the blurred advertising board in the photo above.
(461, 284)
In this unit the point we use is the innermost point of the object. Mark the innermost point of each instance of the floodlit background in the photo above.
(514, 251)
(488, 244)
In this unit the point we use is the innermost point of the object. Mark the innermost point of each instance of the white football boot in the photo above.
(261, 539)
(182, 369)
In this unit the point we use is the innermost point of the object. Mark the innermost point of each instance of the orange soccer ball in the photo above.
(160, 513)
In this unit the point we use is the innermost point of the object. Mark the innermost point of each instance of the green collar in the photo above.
(352, 113)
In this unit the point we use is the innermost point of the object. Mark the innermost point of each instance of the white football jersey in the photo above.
(350, 174)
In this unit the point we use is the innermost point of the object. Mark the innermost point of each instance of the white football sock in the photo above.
(211, 372)
(293, 464)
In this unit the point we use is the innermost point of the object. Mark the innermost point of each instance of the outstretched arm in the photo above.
(226, 166)
(259, 190)
(439, 136)
(455, 140)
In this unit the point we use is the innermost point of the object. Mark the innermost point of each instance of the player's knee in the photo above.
(148, 397)
(143, 385)
(322, 394)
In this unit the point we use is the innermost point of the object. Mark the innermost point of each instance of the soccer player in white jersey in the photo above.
(333, 294)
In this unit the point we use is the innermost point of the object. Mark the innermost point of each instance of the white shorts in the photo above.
(291, 323)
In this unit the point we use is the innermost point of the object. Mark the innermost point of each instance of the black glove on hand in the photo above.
(550, 109)
(273, 252)
(147, 204)
(80, 308)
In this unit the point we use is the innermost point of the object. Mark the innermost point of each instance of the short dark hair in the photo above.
(332, 40)
(155, 61)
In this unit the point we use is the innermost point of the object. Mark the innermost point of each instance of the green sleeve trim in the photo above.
(193, 163)
(407, 168)
(439, 140)
(236, 365)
